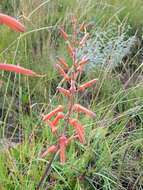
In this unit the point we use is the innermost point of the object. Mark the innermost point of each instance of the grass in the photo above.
(112, 157)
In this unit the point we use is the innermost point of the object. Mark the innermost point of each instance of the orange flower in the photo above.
(71, 51)
(17, 69)
(64, 34)
(59, 116)
(83, 61)
(87, 84)
(84, 39)
(79, 69)
(79, 129)
(51, 149)
(80, 108)
(53, 127)
(62, 62)
(62, 72)
(64, 91)
(12, 23)
(62, 144)
(60, 108)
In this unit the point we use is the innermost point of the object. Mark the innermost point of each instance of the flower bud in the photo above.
(87, 85)
(84, 39)
(64, 34)
(62, 72)
(64, 91)
(51, 149)
(62, 144)
(53, 127)
(62, 62)
(79, 129)
(12, 23)
(83, 61)
(60, 108)
(59, 116)
(80, 108)
(71, 51)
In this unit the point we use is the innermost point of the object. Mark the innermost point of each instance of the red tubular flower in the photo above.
(79, 129)
(87, 84)
(83, 61)
(62, 72)
(17, 69)
(60, 108)
(83, 40)
(59, 116)
(79, 69)
(80, 108)
(71, 51)
(53, 127)
(12, 23)
(64, 91)
(62, 144)
(62, 62)
(51, 149)
(64, 34)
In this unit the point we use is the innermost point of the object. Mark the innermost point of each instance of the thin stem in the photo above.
(47, 171)
(67, 117)
(71, 100)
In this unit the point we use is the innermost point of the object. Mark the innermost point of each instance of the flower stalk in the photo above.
(70, 75)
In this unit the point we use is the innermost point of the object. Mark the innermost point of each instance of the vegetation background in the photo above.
(112, 158)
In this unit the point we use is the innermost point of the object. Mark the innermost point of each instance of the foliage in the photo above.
(107, 48)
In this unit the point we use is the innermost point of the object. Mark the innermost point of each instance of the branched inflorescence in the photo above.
(70, 75)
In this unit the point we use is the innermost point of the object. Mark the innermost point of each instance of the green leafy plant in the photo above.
(107, 47)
